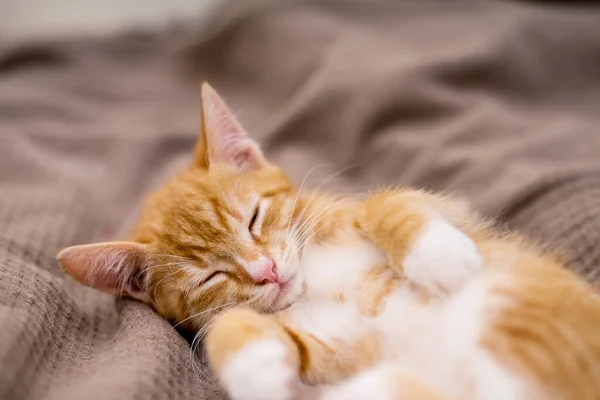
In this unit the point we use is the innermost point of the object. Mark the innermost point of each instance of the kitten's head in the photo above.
(223, 232)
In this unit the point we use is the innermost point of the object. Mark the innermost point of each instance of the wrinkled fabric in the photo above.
(499, 101)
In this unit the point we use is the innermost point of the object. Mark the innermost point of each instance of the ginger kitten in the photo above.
(399, 295)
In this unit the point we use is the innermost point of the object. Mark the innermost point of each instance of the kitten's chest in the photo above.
(343, 288)
(352, 293)
(337, 271)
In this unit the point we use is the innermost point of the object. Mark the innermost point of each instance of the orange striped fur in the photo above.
(398, 295)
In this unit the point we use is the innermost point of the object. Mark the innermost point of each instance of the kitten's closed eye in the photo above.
(254, 218)
(212, 276)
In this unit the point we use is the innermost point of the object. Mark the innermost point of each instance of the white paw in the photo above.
(369, 385)
(260, 371)
(442, 259)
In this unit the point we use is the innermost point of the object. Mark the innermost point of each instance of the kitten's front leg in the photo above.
(252, 356)
(257, 357)
(415, 230)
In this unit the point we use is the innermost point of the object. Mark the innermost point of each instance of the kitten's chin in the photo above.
(288, 293)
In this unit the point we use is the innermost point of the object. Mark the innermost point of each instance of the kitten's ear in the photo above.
(222, 140)
(113, 267)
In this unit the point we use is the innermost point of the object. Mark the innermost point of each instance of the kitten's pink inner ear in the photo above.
(113, 267)
(226, 140)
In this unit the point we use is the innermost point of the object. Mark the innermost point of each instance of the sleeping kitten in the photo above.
(400, 295)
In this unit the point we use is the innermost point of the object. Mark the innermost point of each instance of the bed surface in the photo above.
(497, 100)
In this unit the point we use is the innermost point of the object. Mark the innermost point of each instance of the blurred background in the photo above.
(63, 17)
(497, 100)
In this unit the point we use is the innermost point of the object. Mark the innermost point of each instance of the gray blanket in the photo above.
(497, 100)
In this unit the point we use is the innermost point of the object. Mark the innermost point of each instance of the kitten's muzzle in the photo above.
(263, 270)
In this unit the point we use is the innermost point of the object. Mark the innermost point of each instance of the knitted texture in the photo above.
(495, 100)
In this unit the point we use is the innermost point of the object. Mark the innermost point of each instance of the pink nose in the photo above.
(263, 270)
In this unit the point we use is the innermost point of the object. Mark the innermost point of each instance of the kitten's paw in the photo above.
(443, 258)
(260, 371)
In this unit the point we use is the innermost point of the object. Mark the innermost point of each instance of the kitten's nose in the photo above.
(263, 270)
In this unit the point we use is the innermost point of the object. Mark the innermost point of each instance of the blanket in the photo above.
(496, 100)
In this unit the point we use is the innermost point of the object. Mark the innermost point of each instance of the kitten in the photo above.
(400, 295)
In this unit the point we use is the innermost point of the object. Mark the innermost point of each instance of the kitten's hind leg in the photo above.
(384, 382)
(424, 237)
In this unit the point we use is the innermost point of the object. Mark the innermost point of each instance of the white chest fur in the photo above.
(329, 271)
(330, 268)
(333, 270)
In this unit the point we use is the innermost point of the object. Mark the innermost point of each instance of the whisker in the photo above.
(152, 267)
(198, 338)
(310, 237)
(307, 206)
(313, 219)
(303, 231)
(166, 277)
(225, 198)
(324, 182)
(193, 348)
(310, 171)
(200, 313)
(237, 181)
(169, 255)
